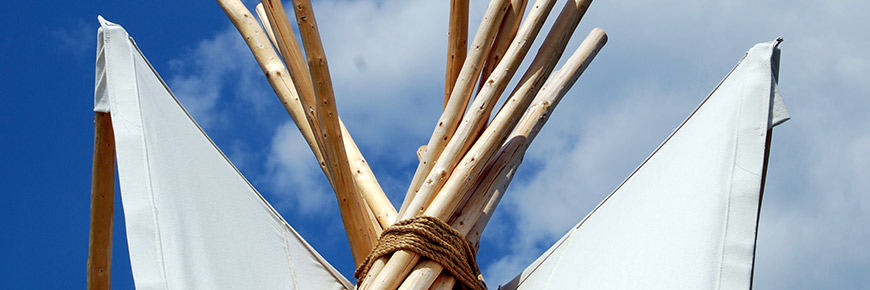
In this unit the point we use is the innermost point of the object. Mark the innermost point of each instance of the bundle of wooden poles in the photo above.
(471, 157)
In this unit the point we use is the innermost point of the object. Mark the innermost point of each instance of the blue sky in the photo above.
(387, 60)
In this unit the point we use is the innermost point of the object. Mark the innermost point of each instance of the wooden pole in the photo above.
(459, 97)
(315, 90)
(457, 44)
(276, 73)
(494, 135)
(363, 177)
(360, 229)
(102, 204)
(475, 216)
(444, 281)
(465, 134)
(291, 53)
(367, 185)
(279, 78)
(267, 26)
(425, 273)
(507, 31)
(448, 121)
(528, 127)
(470, 168)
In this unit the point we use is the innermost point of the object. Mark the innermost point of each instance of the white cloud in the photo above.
(294, 175)
(77, 40)
(201, 77)
(387, 62)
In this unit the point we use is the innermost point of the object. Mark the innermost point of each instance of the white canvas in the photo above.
(193, 221)
(687, 217)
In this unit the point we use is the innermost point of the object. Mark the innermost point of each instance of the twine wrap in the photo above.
(431, 238)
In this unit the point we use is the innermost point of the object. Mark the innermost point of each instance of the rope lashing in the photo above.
(431, 238)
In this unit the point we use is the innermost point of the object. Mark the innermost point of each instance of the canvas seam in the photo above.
(558, 262)
(289, 259)
(146, 155)
(727, 220)
(726, 240)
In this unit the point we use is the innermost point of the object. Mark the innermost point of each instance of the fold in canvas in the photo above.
(687, 217)
(193, 221)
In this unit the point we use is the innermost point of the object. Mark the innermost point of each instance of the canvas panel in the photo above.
(193, 221)
(686, 218)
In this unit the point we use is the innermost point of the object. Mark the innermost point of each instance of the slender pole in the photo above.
(279, 78)
(297, 96)
(360, 228)
(267, 26)
(444, 281)
(473, 121)
(457, 184)
(503, 40)
(457, 44)
(527, 129)
(102, 204)
(459, 97)
(315, 91)
(489, 189)
(506, 33)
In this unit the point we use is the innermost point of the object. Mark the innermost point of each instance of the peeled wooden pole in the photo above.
(493, 195)
(481, 107)
(367, 185)
(102, 204)
(449, 119)
(275, 71)
(425, 272)
(511, 154)
(279, 77)
(457, 44)
(458, 98)
(327, 114)
(538, 114)
(293, 59)
(363, 177)
(324, 96)
(469, 168)
(267, 26)
(373, 272)
(499, 169)
(315, 89)
(444, 282)
(507, 31)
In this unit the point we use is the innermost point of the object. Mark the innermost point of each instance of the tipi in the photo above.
(685, 219)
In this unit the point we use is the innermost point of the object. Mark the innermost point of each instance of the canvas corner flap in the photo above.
(778, 111)
(111, 40)
(770, 51)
